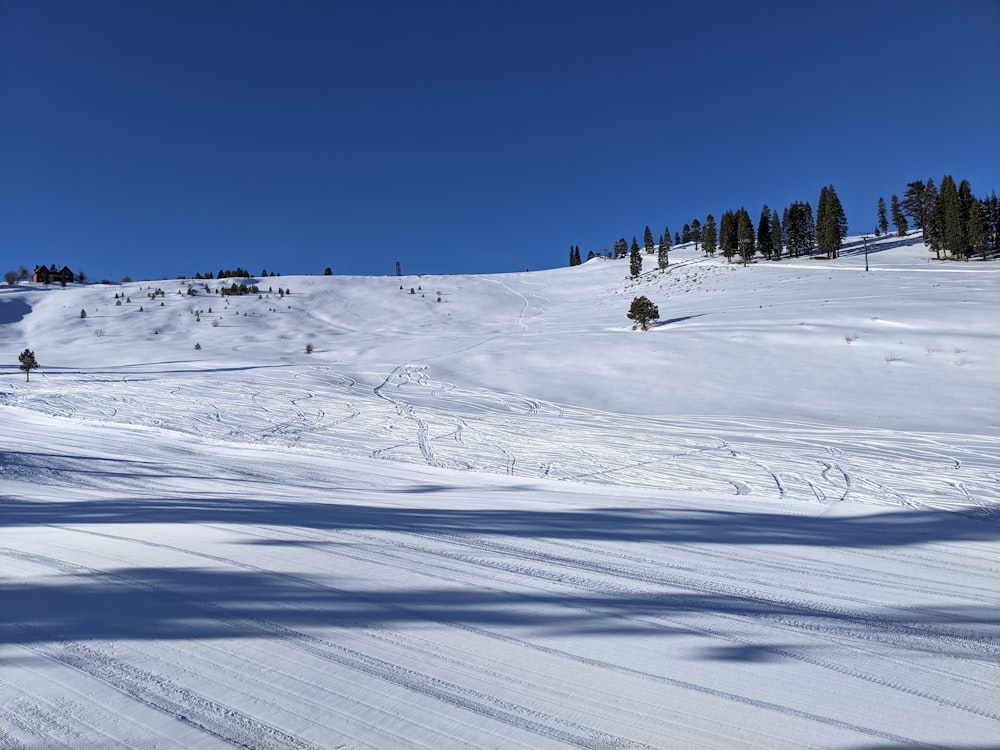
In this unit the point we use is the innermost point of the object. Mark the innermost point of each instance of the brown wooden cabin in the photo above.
(53, 275)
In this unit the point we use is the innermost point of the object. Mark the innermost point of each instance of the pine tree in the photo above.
(965, 201)
(744, 235)
(764, 232)
(709, 236)
(695, 233)
(642, 312)
(686, 233)
(950, 207)
(898, 217)
(648, 240)
(635, 260)
(883, 219)
(799, 229)
(991, 206)
(677, 238)
(831, 222)
(663, 252)
(914, 203)
(775, 234)
(977, 233)
(28, 363)
(727, 235)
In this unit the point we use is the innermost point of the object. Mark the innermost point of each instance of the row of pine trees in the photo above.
(955, 224)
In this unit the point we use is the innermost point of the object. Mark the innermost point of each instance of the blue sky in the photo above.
(156, 138)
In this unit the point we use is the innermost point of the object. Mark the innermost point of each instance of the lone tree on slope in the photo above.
(28, 363)
(642, 312)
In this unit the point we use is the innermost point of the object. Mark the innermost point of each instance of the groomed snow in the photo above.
(489, 514)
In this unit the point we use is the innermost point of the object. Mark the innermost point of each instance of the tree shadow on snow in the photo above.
(880, 530)
(198, 603)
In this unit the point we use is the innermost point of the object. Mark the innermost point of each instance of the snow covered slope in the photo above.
(488, 513)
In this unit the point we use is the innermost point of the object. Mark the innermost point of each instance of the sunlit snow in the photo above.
(485, 512)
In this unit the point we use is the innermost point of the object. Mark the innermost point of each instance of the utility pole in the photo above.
(865, 239)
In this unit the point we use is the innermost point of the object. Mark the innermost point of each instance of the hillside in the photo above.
(488, 513)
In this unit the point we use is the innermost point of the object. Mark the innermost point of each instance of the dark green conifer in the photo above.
(635, 259)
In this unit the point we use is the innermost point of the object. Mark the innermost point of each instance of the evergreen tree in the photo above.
(28, 363)
(572, 256)
(898, 217)
(621, 248)
(831, 222)
(978, 235)
(744, 235)
(695, 233)
(883, 218)
(648, 240)
(775, 235)
(663, 253)
(642, 312)
(677, 238)
(965, 201)
(709, 236)
(799, 229)
(635, 260)
(727, 235)
(934, 221)
(914, 203)
(764, 232)
(991, 206)
(950, 207)
(686, 233)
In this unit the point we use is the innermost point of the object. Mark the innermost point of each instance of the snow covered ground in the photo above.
(489, 514)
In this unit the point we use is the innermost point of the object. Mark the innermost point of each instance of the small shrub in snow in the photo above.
(197, 347)
(83, 314)
(309, 348)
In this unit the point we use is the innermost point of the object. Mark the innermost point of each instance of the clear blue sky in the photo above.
(153, 138)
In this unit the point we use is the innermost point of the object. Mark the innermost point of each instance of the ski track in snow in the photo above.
(409, 416)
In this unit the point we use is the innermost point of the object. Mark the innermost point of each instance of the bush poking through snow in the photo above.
(309, 348)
